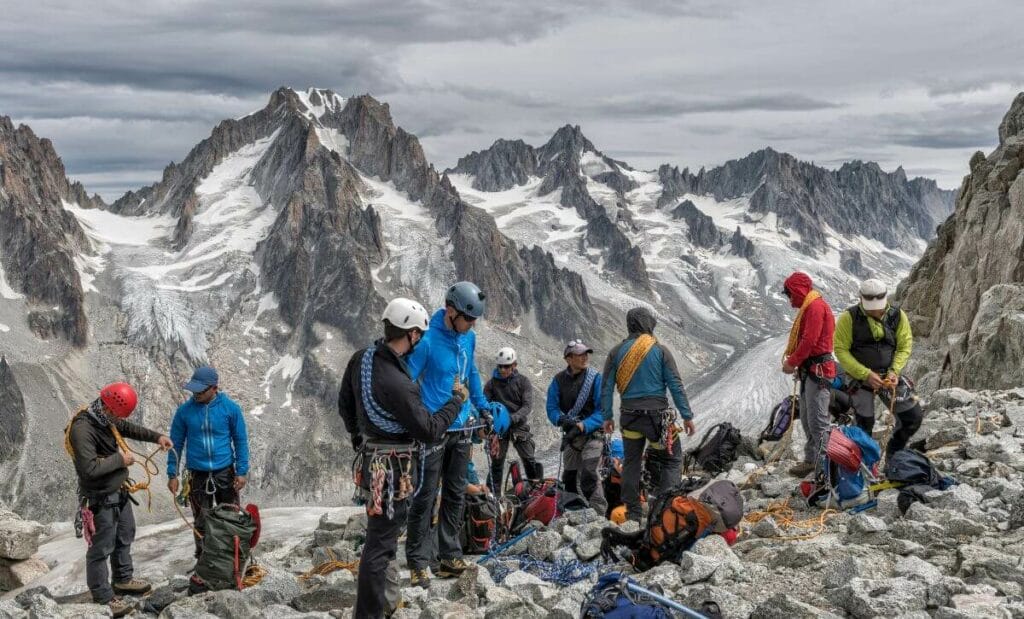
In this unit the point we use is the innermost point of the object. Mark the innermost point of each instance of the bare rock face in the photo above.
(961, 296)
(702, 229)
(504, 165)
(39, 240)
(857, 199)
(12, 414)
(851, 261)
(567, 162)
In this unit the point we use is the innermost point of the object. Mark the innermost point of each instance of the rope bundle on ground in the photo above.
(559, 572)
(783, 515)
(331, 565)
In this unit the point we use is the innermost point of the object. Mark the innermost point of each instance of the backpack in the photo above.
(542, 502)
(230, 536)
(841, 479)
(780, 419)
(675, 522)
(611, 599)
(481, 523)
(726, 498)
(911, 467)
(716, 451)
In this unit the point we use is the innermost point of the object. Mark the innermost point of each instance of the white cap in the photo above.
(873, 288)
(506, 356)
(406, 314)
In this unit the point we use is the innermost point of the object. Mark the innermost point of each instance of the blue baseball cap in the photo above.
(202, 379)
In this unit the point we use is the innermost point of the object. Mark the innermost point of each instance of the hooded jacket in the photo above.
(210, 436)
(516, 393)
(442, 355)
(817, 326)
(656, 375)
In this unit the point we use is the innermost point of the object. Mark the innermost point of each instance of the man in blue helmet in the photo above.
(444, 359)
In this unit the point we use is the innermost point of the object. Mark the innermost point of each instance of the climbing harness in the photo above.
(383, 460)
(183, 493)
(670, 430)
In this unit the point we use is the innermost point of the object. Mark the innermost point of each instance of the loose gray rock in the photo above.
(19, 539)
(783, 606)
(17, 574)
(544, 544)
(885, 597)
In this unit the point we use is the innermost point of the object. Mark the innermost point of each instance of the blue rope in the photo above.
(560, 572)
(378, 416)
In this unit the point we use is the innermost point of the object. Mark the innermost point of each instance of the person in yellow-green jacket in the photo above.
(873, 342)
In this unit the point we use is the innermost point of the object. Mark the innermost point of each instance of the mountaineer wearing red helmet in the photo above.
(94, 439)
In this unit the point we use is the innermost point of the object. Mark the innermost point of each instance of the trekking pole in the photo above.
(664, 601)
(510, 543)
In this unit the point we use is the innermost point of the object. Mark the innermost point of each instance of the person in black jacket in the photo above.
(95, 441)
(382, 410)
(513, 390)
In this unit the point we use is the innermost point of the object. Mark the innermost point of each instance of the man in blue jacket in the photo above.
(642, 370)
(574, 405)
(209, 431)
(443, 359)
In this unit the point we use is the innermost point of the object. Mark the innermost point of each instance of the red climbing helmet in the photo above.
(120, 398)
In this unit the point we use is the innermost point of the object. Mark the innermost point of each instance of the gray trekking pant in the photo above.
(814, 417)
(581, 468)
(115, 532)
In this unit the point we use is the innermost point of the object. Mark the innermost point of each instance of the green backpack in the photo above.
(227, 546)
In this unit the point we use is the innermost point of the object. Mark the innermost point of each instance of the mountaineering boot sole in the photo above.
(451, 568)
(132, 587)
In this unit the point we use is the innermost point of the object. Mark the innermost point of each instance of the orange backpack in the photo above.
(675, 523)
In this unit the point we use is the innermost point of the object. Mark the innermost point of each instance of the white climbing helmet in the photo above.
(406, 314)
(506, 356)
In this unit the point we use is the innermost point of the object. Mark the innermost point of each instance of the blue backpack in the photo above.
(610, 599)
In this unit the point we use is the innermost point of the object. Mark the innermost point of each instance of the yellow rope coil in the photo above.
(783, 514)
(331, 565)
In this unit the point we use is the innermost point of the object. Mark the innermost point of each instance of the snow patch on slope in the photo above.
(328, 102)
(5, 289)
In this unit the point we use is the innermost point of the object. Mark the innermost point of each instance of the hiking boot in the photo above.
(802, 469)
(451, 568)
(132, 587)
(119, 607)
(419, 578)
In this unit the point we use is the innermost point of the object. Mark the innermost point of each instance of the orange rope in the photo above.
(783, 514)
(331, 565)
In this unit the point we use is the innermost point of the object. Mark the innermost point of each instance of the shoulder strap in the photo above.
(379, 417)
(584, 394)
(68, 447)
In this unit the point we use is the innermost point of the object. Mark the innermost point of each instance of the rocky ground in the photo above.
(957, 554)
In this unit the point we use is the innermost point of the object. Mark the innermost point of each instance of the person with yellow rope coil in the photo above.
(95, 441)
(809, 356)
(642, 371)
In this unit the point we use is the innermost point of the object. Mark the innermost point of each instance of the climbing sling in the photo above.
(631, 362)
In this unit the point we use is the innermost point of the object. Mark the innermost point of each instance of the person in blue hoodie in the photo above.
(209, 431)
(643, 371)
(444, 358)
(574, 405)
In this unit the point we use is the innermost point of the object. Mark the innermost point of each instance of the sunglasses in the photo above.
(873, 297)
(505, 367)
(467, 317)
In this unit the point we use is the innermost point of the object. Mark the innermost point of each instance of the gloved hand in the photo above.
(566, 423)
(460, 391)
(500, 418)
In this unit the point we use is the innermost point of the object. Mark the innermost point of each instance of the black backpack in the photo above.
(782, 416)
(481, 523)
(716, 451)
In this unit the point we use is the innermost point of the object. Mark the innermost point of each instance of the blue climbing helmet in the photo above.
(466, 298)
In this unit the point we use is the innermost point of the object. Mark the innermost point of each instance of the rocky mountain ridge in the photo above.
(965, 296)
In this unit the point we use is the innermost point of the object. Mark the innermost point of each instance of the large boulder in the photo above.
(19, 539)
(17, 574)
(885, 597)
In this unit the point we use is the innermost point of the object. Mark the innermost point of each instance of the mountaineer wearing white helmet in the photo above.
(514, 390)
(382, 410)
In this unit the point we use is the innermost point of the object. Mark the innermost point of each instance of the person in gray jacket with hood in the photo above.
(643, 371)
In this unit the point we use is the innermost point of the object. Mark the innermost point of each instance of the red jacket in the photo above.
(817, 326)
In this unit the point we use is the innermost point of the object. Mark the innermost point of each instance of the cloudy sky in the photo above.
(124, 87)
